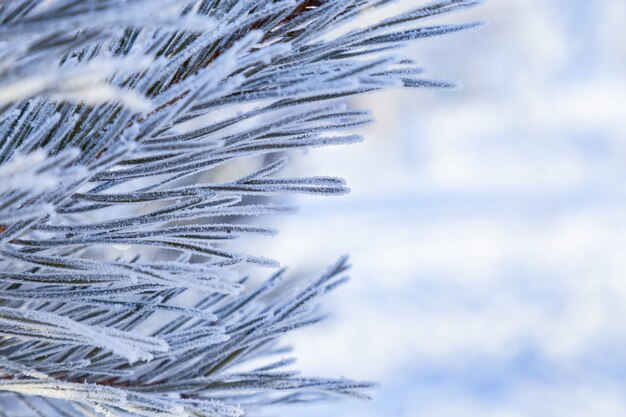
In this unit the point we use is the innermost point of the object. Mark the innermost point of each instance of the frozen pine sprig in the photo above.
(119, 292)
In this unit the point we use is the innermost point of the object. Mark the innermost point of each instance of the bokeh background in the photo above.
(486, 226)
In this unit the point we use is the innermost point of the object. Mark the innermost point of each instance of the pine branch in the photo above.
(114, 117)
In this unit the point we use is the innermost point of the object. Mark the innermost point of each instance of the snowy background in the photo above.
(487, 227)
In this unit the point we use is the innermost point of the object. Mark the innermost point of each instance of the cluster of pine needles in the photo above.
(115, 116)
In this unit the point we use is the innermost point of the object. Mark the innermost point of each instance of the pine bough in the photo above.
(113, 116)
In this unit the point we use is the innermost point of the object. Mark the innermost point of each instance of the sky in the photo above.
(486, 226)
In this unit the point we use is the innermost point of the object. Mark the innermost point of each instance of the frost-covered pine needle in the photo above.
(118, 292)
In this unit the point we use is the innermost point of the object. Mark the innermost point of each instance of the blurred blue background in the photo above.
(487, 226)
